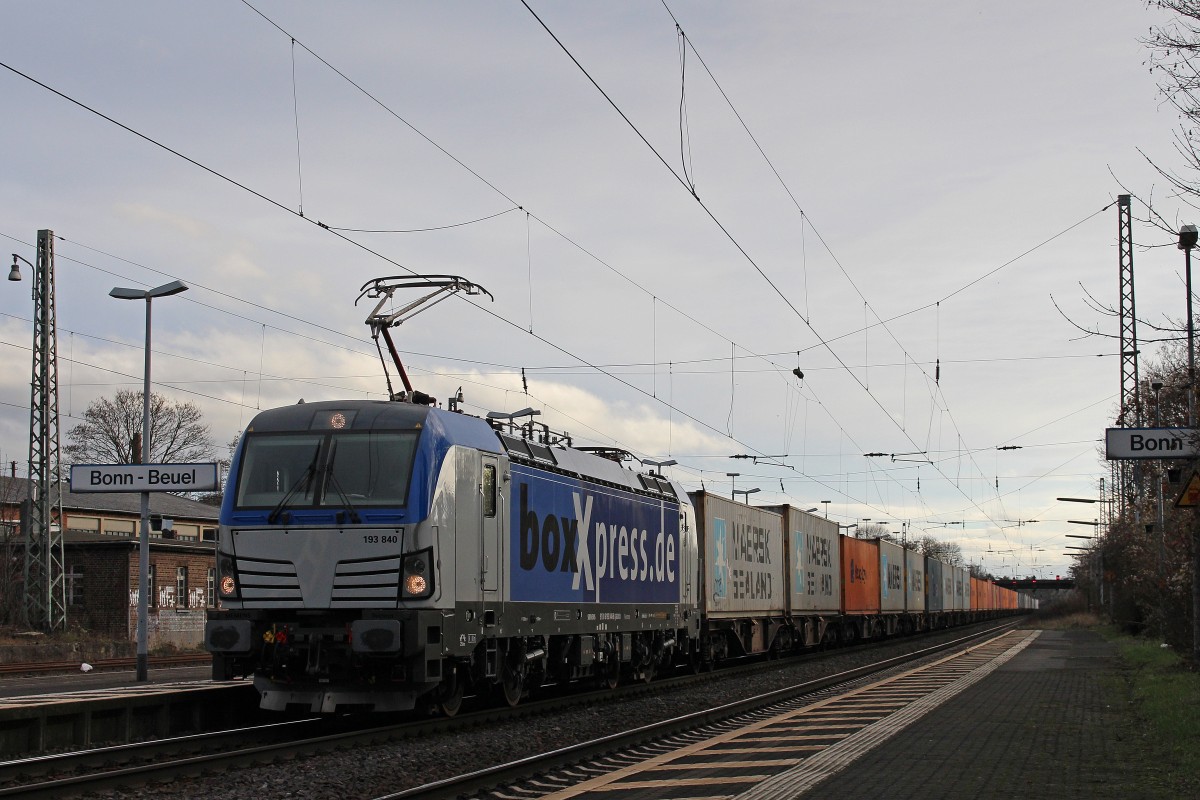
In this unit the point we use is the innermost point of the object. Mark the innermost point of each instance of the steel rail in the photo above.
(35, 667)
(491, 777)
(169, 759)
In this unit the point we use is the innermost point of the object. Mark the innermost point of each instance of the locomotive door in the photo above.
(489, 509)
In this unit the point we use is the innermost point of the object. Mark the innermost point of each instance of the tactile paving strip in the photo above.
(780, 755)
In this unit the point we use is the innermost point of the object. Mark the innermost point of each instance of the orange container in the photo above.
(860, 576)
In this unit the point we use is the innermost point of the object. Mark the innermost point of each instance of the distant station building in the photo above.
(100, 560)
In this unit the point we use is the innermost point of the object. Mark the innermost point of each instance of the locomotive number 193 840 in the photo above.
(389, 538)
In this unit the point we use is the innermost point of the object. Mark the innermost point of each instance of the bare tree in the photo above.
(1175, 61)
(12, 561)
(874, 530)
(223, 465)
(106, 436)
(946, 552)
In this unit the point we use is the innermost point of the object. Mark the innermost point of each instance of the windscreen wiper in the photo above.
(332, 480)
(305, 480)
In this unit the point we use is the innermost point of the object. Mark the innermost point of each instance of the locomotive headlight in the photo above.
(416, 579)
(227, 583)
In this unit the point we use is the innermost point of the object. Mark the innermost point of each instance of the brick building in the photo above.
(100, 561)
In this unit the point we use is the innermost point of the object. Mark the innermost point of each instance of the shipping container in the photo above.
(743, 555)
(860, 576)
(962, 589)
(914, 581)
(892, 597)
(934, 586)
(815, 558)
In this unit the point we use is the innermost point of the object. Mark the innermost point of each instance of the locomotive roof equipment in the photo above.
(383, 288)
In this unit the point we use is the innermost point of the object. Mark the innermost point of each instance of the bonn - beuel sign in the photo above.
(143, 477)
(1134, 443)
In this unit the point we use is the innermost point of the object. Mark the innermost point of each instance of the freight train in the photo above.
(383, 555)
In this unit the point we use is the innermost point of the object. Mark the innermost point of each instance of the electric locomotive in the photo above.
(377, 554)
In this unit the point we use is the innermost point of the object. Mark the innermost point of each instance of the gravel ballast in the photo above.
(373, 771)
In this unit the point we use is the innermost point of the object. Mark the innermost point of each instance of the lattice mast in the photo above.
(45, 585)
(1126, 484)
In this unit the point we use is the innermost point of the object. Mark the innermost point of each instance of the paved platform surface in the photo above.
(1048, 722)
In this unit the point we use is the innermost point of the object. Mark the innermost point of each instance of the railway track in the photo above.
(39, 667)
(167, 760)
(616, 762)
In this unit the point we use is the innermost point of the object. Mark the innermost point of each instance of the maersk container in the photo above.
(914, 581)
(934, 589)
(744, 568)
(815, 560)
(860, 576)
(892, 597)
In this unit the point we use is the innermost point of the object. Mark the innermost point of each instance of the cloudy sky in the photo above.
(669, 226)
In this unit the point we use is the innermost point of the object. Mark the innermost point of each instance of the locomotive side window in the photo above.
(489, 490)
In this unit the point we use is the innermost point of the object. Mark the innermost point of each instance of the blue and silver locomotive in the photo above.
(381, 554)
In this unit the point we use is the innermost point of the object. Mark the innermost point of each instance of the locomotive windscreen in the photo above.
(326, 468)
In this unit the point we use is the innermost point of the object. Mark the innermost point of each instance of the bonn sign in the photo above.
(1135, 443)
(143, 477)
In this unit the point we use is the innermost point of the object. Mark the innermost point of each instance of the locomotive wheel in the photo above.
(512, 683)
(612, 673)
(450, 693)
(648, 672)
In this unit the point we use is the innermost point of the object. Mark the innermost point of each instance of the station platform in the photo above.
(1044, 720)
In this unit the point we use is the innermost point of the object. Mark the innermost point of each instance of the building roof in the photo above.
(88, 539)
(14, 490)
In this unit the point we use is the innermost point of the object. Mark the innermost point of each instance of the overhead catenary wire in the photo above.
(652, 388)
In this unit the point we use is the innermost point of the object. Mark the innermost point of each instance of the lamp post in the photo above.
(656, 466)
(1187, 240)
(14, 274)
(732, 483)
(167, 289)
(746, 492)
(826, 504)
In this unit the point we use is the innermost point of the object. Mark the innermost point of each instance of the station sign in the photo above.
(144, 477)
(1150, 443)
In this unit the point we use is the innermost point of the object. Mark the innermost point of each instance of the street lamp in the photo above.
(746, 492)
(1187, 241)
(826, 504)
(14, 274)
(656, 467)
(166, 290)
(732, 483)
(510, 415)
